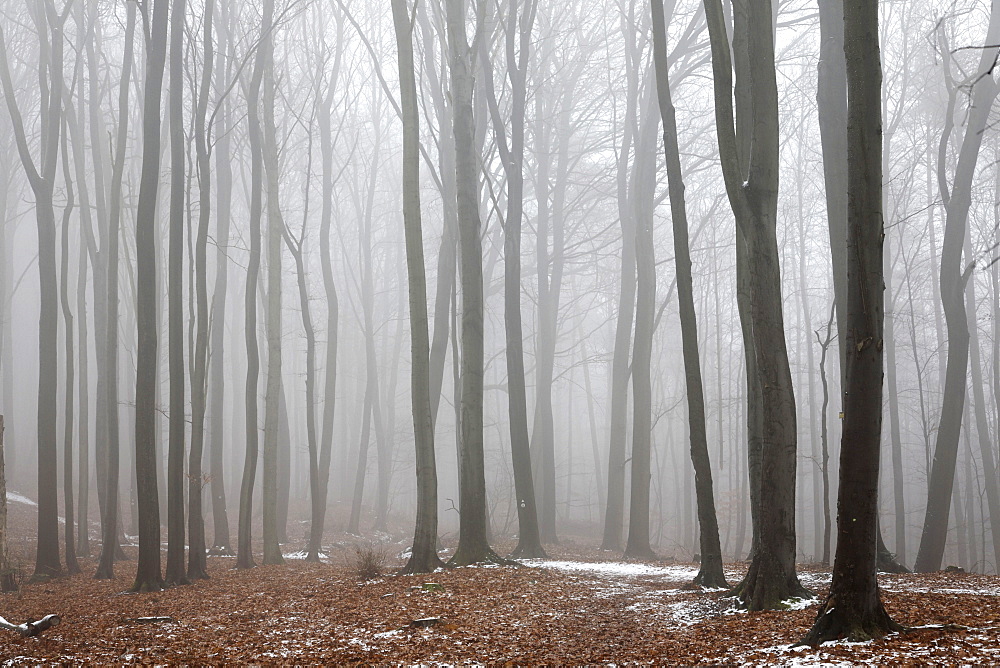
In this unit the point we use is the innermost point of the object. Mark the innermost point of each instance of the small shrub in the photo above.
(369, 561)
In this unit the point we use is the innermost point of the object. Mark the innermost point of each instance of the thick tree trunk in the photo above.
(711, 573)
(853, 608)
(473, 544)
(771, 578)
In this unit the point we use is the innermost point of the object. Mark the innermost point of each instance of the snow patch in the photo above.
(19, 498)
(619, 569)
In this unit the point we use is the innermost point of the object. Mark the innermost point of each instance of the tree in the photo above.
(197, 566)
(7, 582)
(517, 43)
(957, 203)
(423, 554)
(175, 573)
(109, 519)
(853, 609)
(831, 104)
(771, 578)
(72, 565)
(244, 548)
(148, 576)
(473, 545)
(41, 177)
(275, 225)
(711, 573)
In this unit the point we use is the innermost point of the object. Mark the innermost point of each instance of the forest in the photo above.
(499, 331)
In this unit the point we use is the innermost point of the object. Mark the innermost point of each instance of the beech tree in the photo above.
(853, 609)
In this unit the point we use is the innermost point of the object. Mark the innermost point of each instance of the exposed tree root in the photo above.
(841, 622)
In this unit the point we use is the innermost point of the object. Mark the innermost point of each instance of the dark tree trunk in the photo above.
(175, 573)
(7, 581)
(197, 567)
(711, 573)
(853, 608)
(148, 576)
(771, 578)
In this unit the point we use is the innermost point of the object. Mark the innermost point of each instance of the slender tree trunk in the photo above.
(244, 549)
(7, 581)
(953, 282)
(275, 224)
(517, 39)
(148, 576)
(175, 573)
(197, 567)
(41, 178)
(423, 554)
(711, 573)
(216, 372)
(72, 566)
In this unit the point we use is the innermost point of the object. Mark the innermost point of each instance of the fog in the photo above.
(287, 194)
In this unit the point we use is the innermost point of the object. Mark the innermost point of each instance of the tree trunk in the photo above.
(423, 554)
(771, 578)
(517, 39)
(473, 544)
(216, 372)
(41, 178)
(197, 567)
(953, 281)
(244, 548)
(148, 576)
(711, 573)
(853, 608)
(72, 566)
(275, 224)
(7, 581)
(175, 573)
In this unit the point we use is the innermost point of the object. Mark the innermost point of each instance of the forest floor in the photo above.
(581, 606)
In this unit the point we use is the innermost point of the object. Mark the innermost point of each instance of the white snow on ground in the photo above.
(617, 569)
(302, 554)
(19, 498)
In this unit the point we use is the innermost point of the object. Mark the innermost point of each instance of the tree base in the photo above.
(767, 587)
(425, 564)
(887, 563)
(523, 551)
(644, 553)
(147, 586)
(710, 577)
(840, 622)
(480, 555)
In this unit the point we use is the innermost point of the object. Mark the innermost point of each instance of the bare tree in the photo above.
(853, 608)
(41, 177)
